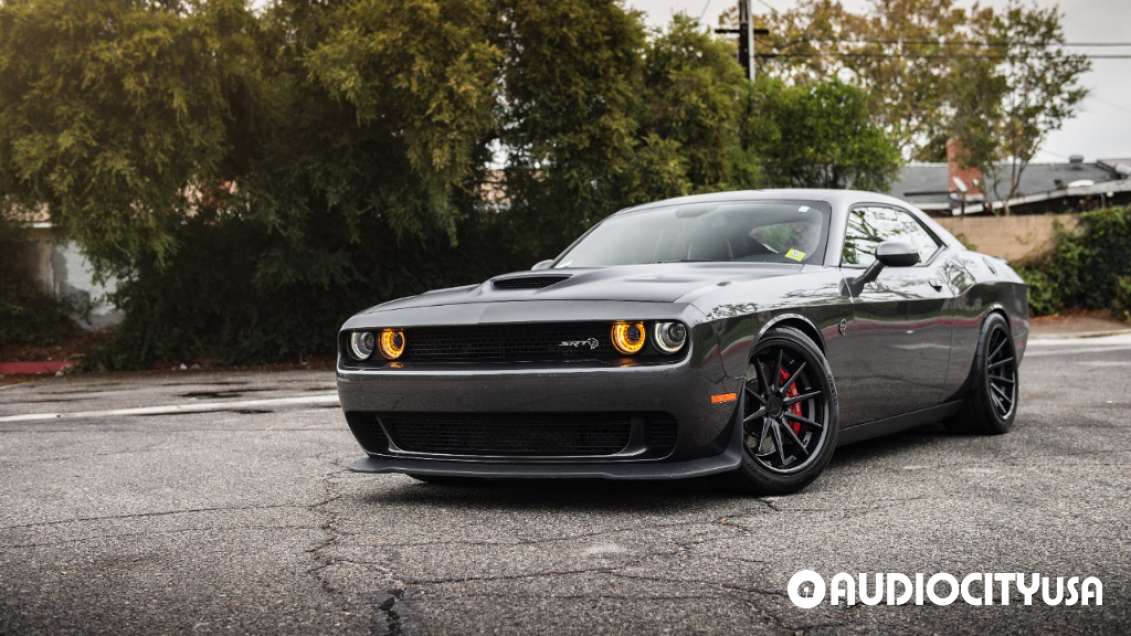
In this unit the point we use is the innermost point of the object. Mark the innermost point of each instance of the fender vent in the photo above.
(528, 282)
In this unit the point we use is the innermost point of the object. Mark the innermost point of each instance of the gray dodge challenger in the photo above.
(744, 335)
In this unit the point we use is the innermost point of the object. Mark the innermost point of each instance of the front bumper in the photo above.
(682, 390)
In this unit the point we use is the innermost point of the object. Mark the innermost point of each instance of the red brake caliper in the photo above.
(796, 408)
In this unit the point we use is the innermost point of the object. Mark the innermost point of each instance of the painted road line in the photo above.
(199, 407)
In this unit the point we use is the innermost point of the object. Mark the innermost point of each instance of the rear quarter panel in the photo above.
(982, 284)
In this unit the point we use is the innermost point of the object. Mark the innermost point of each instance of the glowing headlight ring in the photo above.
(391, 343)
(628, 337)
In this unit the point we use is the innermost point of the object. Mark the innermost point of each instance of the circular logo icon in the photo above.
(806, 589)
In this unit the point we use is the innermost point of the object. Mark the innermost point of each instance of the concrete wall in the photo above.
(1011, 237)
(60, 269)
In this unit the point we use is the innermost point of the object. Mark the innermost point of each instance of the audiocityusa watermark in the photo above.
(808, 589)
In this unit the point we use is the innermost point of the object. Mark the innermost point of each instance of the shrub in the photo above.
(1089, 268)
(1122, 304)
(219, 299)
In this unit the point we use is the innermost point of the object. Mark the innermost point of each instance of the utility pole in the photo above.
(746, 33)
(746, 40)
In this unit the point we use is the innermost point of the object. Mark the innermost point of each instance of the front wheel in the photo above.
(788, 414)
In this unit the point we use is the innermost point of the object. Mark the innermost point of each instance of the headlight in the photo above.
(670, 336)
(392, 343)
(361, 345)
(628, 337)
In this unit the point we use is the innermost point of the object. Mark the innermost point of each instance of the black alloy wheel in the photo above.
(991, 400)
(1001, 373)
(788, 414)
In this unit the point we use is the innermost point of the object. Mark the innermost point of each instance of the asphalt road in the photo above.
(244, 520)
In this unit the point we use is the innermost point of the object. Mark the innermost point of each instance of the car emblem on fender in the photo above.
(577, 344)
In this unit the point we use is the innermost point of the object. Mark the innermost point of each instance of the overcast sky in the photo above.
(1101, 128)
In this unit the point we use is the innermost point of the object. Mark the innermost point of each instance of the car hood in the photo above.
(662, 282)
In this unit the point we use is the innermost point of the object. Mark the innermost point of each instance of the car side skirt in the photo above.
(879, 428)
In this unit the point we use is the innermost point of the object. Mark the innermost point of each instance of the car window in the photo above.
(870, 226)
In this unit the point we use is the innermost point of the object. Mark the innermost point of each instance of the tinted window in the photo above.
(749, 231)
(870, 226)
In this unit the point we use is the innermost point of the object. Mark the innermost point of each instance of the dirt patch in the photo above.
(68, 349)
(1078, 321)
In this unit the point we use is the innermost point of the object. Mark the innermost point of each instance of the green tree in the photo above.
(898, 51)
(567, 121)
(420, 76)
(691, 114)
(818, 135)
(1006, 111)
(111, 113)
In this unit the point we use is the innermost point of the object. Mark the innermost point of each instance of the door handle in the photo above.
(936, 283)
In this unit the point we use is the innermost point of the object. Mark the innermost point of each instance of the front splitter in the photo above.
(725, 462)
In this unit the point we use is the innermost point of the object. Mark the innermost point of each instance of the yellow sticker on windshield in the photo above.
(796, 255)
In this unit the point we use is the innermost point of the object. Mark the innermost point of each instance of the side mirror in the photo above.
(897, 253)
(542, 265)
(890, 253)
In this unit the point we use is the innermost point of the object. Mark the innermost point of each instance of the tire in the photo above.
(447, 480)
(787, 441)
(991, 398)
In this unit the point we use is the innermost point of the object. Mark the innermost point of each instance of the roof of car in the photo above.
(839, 197)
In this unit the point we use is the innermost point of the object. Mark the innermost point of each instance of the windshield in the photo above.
(745, 231)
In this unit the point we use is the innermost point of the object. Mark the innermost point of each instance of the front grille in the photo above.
(531, 435)
(510, 342)
(544, 434)
(528, 282)
(368, 433)
(661, 433)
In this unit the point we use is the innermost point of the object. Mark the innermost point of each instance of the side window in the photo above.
(870, 226)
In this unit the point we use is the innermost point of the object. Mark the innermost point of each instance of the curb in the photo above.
(1073, 336)
(35, 368)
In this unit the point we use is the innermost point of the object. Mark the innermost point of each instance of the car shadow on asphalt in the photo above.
(882, 447)
(617, 497)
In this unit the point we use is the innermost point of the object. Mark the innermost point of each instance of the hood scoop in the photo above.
(528, 282)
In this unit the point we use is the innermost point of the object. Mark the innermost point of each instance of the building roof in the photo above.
(1112, 163)
(925, 184)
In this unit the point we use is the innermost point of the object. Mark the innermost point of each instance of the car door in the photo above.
(900, 336)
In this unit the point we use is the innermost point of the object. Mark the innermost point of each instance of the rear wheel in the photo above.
(991, 401)
(788, 414)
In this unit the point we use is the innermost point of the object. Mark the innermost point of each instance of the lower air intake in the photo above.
(533, 434)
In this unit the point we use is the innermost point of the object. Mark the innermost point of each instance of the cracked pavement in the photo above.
(246, 521)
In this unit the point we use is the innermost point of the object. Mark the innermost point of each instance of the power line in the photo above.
(929, 56)
(988, 43)
(706, 5)
(1112, 104)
